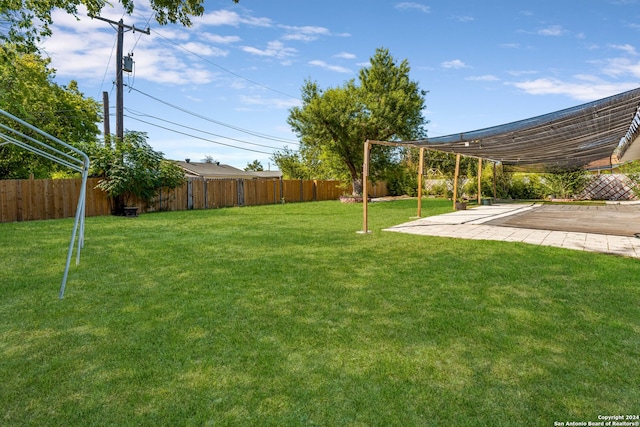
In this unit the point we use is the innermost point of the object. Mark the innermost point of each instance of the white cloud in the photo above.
(322, 64)
(413, 6)
(625, 48)
(229, 18)
(517, 73)
(203, 49)
(485, 78)
(275, 49)
(510, 45)
(554, 30)
(464, 18)
(215, 38)
(456, 64)
(278, 103)
(617, 67)
(345, 55)
(582, 91)
(218, 18)
(161, 65)
(304, 33)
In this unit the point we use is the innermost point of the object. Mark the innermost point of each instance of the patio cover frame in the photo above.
(569, 138)
(72, 158)
(565, 139)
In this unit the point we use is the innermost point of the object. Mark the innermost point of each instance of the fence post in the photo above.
(206, 199)
(190, 194)
(275, 195)
(240, 183)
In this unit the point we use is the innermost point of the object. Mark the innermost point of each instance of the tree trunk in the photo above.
(356, 183)
(117, 205)
(356, 179)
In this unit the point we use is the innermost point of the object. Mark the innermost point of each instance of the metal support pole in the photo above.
(455, 181)
(420, 178)
(479, 181)
(365, 189)
(495, 192)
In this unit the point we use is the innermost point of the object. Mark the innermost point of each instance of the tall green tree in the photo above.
(26, 22)
(384, 104)
(27, 90)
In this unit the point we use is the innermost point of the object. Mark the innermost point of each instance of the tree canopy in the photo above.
(133, 171)
(255, 166)
(27, 91)
(332, 124)
(28, 21)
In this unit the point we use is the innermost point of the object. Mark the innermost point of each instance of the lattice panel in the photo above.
(609, 187)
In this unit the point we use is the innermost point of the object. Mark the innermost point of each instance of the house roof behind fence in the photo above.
(575, 137)
(214, 170)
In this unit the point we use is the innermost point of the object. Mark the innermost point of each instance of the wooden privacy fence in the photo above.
(36, 199)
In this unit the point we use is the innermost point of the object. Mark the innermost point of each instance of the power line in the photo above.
(104, 77)
(137, 113)
(200, 116)
(198, 137)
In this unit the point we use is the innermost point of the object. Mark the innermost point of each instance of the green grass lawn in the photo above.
(284, 315)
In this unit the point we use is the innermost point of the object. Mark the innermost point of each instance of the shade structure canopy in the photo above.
(567, 139)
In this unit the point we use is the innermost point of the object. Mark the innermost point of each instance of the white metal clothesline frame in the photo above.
(73, 159)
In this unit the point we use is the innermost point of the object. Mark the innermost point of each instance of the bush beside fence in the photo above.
(37, 199)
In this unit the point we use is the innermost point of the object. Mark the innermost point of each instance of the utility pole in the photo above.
(105, 121)
(119, 81)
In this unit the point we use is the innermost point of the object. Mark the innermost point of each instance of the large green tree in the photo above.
(27, 21)
(27, 90)
(384, 104)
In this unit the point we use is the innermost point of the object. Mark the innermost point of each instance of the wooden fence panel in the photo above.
(8, 201)
(292, 191)
(23, 200)
(198, 188)
(97, 200)
(221, 193)
(328, 190)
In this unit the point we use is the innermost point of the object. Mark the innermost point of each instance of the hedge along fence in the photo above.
(37, 199)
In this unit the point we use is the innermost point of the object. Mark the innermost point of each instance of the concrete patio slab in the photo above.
(608, 229)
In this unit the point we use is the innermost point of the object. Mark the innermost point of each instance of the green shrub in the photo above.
(525, 187)
(402, 181)
(565, 183)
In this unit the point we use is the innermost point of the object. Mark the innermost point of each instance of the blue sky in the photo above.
(228, 81)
